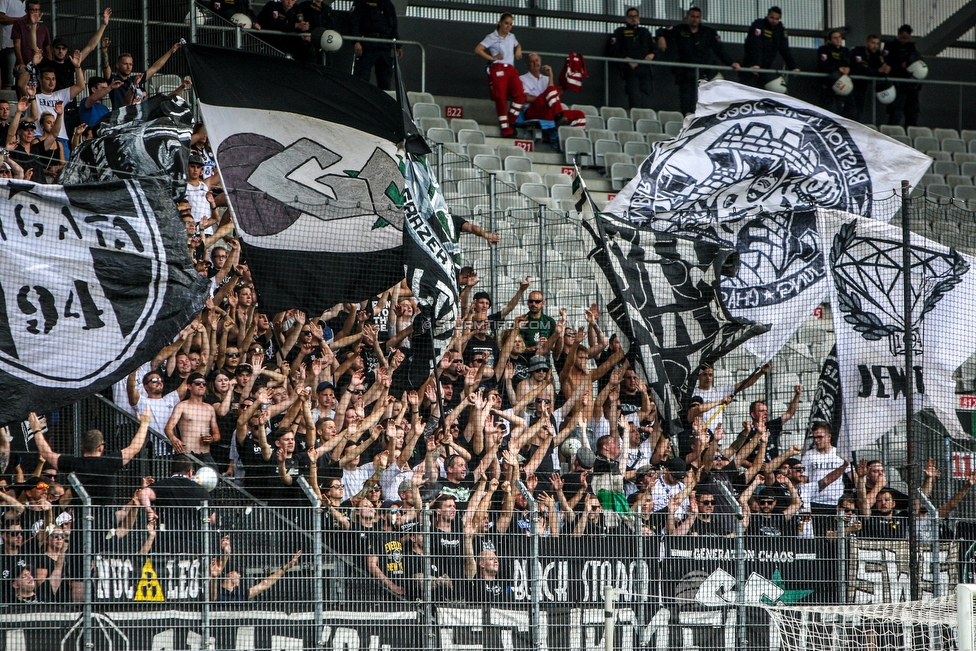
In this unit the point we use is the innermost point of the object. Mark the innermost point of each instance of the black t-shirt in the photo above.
(10, 567)
(487, 346)
(177, 502)
(877, 526)
(630, 403)
(297, 466)
(448, 550)
(386, 545)
(97, 475)
(775, 525)
(237, 594)
(259, 475)
(720, 524)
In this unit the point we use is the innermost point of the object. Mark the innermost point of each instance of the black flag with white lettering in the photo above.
(826, 407)
(309, 159)
(667, 297)
(94, 281)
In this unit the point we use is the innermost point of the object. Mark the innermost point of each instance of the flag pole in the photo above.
(906, 263)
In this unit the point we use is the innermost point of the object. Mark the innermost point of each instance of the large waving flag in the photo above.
(666, 300)
(308, 157)
(746, 172)
(866, 281)
(94, 281)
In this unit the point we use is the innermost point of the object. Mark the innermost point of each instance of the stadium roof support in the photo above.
(946, 34)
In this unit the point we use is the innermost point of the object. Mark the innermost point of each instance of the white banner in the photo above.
(745, 172)
(867, 300)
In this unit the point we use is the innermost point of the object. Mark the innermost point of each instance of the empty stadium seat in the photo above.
(939, 155)
(601, 134)
(464, 123)
(569, 132)
(426, 124)
(478, 150)
(602, 147)
(595, 122)
(969, 169)
(578, 150)
(938, 190)
(425, 110)
(611, 159)
(968, 134)
(518, 164)
(919, 132)
(670, 116)
(958, 179)
(953, 145)
(553, 180)
(504, 151)
(440, 134)
(638, 149)
(620, 124)
(488, 163)
(651, 138)
(588, 109)
(607, 112)
(945, 168)
(905, 140)
(621, 174)
(535, 190)
(923, 143)
(522, 178)
(942, 133)
(962, 157)
(645, 114)
(561, 192)
(964, 192)
(648, 126)
(672, 128)
(470, 137)
(423, 98)
(629, 136)
(892, 129)
(971, 146)
(928, 179)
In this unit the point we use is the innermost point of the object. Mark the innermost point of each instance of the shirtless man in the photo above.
(577, 366)
(197, 422)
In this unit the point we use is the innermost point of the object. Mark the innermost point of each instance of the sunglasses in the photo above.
(199, 383)
(233, 354)
(706, 502)
(57, 536)
(534, 300)
(257, 350)
(337, 487)
(545, 400)
(767, 501)
(155, 380)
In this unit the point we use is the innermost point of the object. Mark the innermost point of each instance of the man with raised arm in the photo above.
(197, 422)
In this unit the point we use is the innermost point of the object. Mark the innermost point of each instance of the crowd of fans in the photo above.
(548, 402)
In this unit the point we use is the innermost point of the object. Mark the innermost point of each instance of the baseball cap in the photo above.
(585, 457)
(193, 377)
(537, 363)
(323, 386)
(59, 41)
(390, 503)
(196, 159)
(243, 368)
(676, 465)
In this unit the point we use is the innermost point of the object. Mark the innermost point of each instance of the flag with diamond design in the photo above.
(866, 284)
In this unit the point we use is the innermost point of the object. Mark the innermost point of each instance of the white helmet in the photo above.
(241, 19)
(918, 69)
(718, 77)
(331, 40)
(777, 85)
(887, 95)
(843, 86)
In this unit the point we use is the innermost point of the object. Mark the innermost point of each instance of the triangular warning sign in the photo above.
(149, 588)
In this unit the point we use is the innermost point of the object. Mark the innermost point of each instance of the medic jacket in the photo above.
(762, 44)
(633, 42)
(830, 58)
(898, 55)
(865, 63)
(696, 47)
(373, 19)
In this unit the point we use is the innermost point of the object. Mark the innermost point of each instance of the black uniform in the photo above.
(702, 46)
(762, 44)
(830, 58)
(899, 55)
(275, 17)
(374, 19)
(864, 64)
(635, 43)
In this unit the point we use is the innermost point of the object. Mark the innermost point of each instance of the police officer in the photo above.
(835, 60)
(374, 19)
(634, 42)
(766, 38)
(899, 54)
(866, 61)
(694, 43)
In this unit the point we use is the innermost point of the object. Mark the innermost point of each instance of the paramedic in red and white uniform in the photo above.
(501, 48)
(544, 97)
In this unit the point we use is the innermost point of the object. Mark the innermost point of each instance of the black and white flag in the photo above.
(430, 254)
(867, 301)
(144, 140)
(746, 172)
(308, 157)
(827, 399)
(666, 298)
(94, 281)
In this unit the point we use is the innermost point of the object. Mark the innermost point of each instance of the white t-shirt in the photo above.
(818, 465)
(662, 494)
(533, 85)
(354, 480)
(197, 196)
(713, 394)
(495, 44)
(45, 104)
(10, 9)
(161, 409)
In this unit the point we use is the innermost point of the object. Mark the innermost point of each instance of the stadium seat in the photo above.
(504, 151)
(424, 98)
(522, 178)
(919, 132)
(579, 150)
(892, 129)
(968, 134)
(971, 146)
(651, 138)
(553, 180)
(673, 128)
(905, 140)
(535, 190)
(964, 192)
(426, 124)
(620, 124)
(938, 190)
(602, 147)
(670, 116)
(518, 164)
(638, 149)
(488, 163)
(607, 112)
(568, 206)
(463, 123)
(945, 168)
(588, 110)
(440, 134)
(471, 187)
(570, 132)
(621, 174)
(928, 179)
(561, 192)
(954, 180)
(969, 169)
(601, 134)
(425, 110)
(595, 122)
(478, 150)
(642, 114)
(943, 134)
(938, 155)
(953, 145)
(611, 159)
(923, 143)
(470, 137)
(510, 201)
(629, 136)
(963, 157)
(648, 126)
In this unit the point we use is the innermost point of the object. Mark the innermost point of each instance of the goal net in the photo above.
(907, 626)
